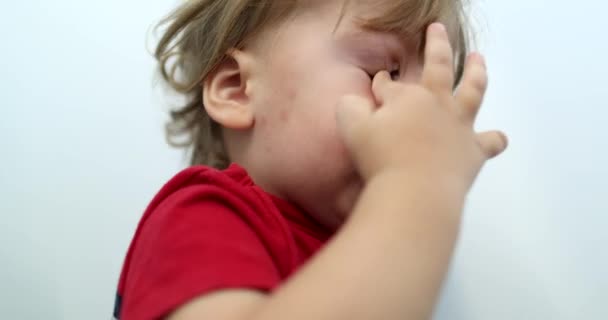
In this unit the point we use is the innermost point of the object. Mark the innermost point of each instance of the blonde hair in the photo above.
(200, 32)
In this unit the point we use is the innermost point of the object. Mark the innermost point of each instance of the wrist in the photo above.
(401, 195)
(440, 185)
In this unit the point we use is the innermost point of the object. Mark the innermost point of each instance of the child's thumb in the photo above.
(351, 113)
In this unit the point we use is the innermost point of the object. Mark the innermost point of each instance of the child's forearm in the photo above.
(387, 262)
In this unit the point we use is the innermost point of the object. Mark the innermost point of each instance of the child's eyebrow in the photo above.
(374, 39)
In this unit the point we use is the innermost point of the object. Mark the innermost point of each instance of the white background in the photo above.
(83, 152)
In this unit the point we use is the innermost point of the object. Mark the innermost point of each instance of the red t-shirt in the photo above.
(209, 229)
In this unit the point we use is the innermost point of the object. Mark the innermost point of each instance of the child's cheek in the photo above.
(283, 115)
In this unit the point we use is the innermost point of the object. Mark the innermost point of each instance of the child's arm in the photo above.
(419, 155)
(387, 262)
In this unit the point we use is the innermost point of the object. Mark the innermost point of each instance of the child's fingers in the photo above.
(438, 71)
(351, 114)
(383, 87)
(493, 143)
(471, 92)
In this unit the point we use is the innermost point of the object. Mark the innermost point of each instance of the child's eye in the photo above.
(395, 74)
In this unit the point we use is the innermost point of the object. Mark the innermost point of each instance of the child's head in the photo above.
(262, 78)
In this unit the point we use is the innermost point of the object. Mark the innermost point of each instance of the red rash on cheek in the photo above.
(283, 115)
(291, 99)
(291, 94)
(261, 121)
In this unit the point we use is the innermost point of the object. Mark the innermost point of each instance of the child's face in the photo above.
(302, 71)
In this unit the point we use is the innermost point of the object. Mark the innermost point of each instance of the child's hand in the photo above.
(422, 129)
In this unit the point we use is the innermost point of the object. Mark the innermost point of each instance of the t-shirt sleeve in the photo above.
(196, 241)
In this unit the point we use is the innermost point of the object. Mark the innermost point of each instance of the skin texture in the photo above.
(298, 75)
(396, 155)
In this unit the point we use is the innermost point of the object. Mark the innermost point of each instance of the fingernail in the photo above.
(505, 140)
(482, 60)
(438, 27)
(382, 75)
(477, 57)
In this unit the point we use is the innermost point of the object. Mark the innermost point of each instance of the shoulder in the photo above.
(206, 229)
(208, 204)
(201, 179)
(197, 187)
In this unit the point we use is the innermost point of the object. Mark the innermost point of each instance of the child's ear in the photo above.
(225, 94)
